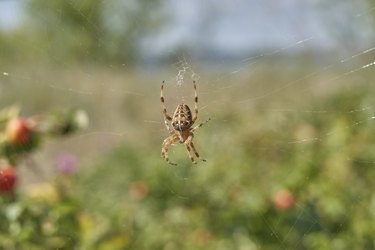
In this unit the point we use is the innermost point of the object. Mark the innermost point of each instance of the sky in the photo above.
(239, 26)
(10, 14)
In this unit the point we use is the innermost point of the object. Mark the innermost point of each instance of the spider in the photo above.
(182, 122)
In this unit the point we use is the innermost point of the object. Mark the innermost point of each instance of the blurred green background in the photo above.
(290, 90)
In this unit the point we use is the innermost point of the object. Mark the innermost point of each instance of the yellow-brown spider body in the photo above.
(182, 119)
(181, 123)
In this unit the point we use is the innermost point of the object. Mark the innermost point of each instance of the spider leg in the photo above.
(200, 125)
(195, 104)
(167, 126)
(166, 143)
(195, 151)
(189, 152)
(165, 113)
(190, 147)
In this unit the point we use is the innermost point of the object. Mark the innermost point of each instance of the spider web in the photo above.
(352, 68)
(219, 88)
(247, 102)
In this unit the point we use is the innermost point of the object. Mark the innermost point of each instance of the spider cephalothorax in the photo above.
(181, 130)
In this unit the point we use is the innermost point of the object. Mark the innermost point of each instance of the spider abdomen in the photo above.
(182, 118)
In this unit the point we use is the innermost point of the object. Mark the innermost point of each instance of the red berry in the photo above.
(8, 179)
(17, 131)
(283, 199)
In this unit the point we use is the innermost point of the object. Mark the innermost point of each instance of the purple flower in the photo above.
(66, 163)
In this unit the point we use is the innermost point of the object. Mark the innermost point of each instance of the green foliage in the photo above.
(47, 216)
(89, 31)
(38, 224)
(318, 148)
(325, 160)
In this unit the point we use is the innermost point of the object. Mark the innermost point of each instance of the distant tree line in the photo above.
(63, 31)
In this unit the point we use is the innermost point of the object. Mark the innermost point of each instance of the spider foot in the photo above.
(172, 163)
(193, 160)
(167, 160)
(165, 157)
